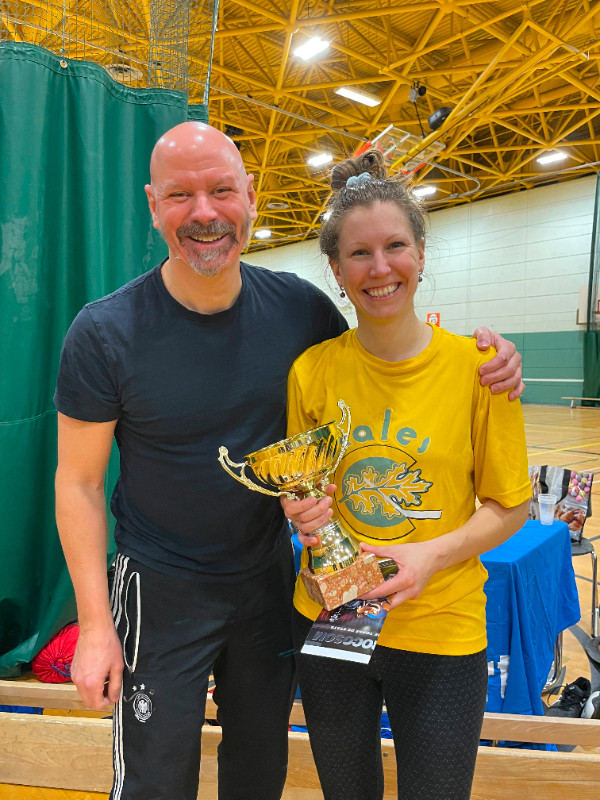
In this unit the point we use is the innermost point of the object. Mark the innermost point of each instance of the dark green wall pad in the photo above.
(551, 362)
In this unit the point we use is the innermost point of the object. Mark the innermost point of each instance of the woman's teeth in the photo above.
(383, 291)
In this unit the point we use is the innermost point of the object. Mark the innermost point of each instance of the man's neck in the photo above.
(204, 295)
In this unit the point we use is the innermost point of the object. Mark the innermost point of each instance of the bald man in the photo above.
(190, 356)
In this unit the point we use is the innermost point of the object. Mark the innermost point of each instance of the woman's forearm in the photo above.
(489, 526)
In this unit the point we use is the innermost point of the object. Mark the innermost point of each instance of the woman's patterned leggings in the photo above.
(435, 705)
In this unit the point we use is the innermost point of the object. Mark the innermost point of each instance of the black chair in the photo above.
(557, 673)
(582, 548)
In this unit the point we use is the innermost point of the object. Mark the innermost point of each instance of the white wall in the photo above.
(515, 262)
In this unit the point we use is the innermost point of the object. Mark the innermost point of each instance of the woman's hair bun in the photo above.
(371, 161)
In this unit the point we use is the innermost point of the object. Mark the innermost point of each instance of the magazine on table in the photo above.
(573, 492)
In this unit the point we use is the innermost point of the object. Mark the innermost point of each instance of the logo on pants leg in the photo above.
(142, 703)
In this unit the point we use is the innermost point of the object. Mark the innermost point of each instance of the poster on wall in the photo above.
(434, 317)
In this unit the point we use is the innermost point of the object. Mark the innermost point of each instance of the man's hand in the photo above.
(97, 668)
(503, 372)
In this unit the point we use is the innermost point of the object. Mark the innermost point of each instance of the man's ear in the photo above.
(152, 204)
(251, 196)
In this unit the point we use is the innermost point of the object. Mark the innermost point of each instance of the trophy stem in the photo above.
(337, 549)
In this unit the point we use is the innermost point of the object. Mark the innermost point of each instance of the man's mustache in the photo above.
(198, 231)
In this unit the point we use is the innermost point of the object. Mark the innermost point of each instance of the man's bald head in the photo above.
(189, 143)
(201, 198)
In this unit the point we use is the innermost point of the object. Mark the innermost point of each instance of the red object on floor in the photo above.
(53, 663)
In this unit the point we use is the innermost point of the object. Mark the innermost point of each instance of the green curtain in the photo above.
(74, 225)
(591, 337)
(198, 112)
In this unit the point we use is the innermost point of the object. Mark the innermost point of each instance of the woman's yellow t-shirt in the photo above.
(426, 439)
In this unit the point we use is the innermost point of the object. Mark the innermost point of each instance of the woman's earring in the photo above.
(420, 277)
(342, 293)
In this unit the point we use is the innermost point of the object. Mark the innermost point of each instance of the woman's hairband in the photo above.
(354, 181)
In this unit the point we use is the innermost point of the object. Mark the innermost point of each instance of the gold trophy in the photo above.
(299, 467)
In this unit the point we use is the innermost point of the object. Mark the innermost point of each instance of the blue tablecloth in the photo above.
(531, 597)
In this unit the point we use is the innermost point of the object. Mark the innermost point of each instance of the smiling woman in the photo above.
(410, 499)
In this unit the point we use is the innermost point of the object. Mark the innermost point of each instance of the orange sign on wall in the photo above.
(433, 317)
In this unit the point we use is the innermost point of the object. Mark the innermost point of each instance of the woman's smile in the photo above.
(382, 291)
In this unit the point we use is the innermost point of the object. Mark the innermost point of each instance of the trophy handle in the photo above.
(343, 427)
(229, 465)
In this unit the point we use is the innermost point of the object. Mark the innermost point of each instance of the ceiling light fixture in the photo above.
(551, 158)
(424, 191)
(320, 160)
(359, 97)
(326, 215)
(262, 233)
(311, 48)
(277, 206)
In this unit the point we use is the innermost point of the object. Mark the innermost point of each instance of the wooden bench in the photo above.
(74, 753)
(582, 400)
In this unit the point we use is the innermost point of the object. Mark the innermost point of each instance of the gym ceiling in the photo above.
(491, 86)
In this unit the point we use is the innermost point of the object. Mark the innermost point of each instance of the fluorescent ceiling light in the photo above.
(318, 161)
(277, 206)
(550, 158)
(263, 233)
(311, 48)
(359, 97)
(326, 215)
(424, 191)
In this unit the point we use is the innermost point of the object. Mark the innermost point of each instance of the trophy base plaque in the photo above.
(333, 589)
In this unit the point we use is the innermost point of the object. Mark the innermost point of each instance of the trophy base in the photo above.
(331, 590)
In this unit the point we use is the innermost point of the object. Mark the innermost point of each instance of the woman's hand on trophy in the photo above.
(416, 564)
(308, 514)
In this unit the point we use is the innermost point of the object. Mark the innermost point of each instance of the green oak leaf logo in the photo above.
(371, 490)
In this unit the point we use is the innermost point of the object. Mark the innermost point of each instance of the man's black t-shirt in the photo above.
(180, 385)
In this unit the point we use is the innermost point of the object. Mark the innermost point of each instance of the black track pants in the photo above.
(176, 632)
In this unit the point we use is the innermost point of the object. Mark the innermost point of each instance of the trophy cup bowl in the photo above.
(298, 467)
